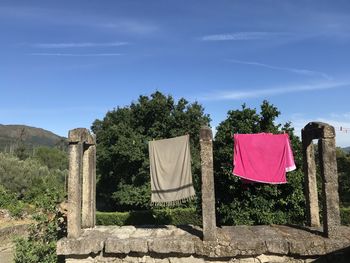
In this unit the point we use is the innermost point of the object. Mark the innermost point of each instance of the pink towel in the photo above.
(263, 157)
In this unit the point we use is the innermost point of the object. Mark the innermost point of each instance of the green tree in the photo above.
(122, 146)
(258, 203)
(343, 162)
(40, 244)
(21, 150)
(53, 158)
(30, 180)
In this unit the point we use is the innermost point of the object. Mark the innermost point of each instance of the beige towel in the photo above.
(170, 167)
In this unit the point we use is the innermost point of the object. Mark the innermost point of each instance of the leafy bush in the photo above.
(345, 215)
(111, 218)
(53, 158)
(168, 216)
(343, 162)
(40, 245)
(9, 201)
(29, 181)
(122, 147)
(239, 203)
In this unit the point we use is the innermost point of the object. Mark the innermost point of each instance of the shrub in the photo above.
(9, 201)
(53, 158)
(29, 181)
(345, 215)
(27, 184)
(167, 216)
(240, 203)
(40, 245)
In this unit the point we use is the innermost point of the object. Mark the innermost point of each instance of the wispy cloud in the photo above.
(243, 36)
(79, 45)
(306, 72)
(77, 55)
(132, 26)
(238, 95)
(72, 17)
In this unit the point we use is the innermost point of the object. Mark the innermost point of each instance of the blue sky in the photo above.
(66, 63)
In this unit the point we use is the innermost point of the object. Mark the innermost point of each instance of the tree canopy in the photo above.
(343, 163)
(238, 203)
(122, 146)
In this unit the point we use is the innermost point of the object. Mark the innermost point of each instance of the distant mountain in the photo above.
(346, 149)
(11, 135)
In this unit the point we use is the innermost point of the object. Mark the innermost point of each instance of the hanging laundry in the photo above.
(170, 168)
(263, 157)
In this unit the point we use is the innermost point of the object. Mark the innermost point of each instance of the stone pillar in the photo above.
(329, 173)
(74, 189)
(328, 166)
(81, 181)
(94, 184)
(89, 187)
(208, 193)
(311, 197)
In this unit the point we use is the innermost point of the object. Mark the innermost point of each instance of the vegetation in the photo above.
(40, 245)
(122, 147)
(167, 216)
(345, 215)
(53, 158)
(343, 162)
(32, 181)
(11, 136)
(239, 203)
(32, 188)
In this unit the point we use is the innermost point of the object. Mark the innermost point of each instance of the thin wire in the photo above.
(343, 129)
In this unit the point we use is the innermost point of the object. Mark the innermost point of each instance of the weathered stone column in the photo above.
(325, 134)
(74, 185)
(312, 208)
(93, 190)
(208, 193)
(329, 173)
(89, 181)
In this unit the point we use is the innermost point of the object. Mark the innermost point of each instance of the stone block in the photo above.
(277, 246)
(163, 246)
(125, 246)
(318, 130)
(81, 135)
(249, 247)
(272, 259)
(308, 247)
(80, 246)
(190, 259)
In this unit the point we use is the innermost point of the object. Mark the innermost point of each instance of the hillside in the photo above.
(346, 149)
(10, 135)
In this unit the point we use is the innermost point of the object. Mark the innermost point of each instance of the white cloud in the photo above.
(131, 26)
(77, 55)
(240, 94)
(79, 45)
(306, 72)
(53, 16)
(242, 36)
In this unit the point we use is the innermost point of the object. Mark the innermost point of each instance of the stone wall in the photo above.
(87, 243)
(234, 243)
(191, 259)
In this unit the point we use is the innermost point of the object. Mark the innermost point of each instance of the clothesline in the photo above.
(343, 129)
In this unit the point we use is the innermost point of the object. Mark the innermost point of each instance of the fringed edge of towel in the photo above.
(174, 203)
